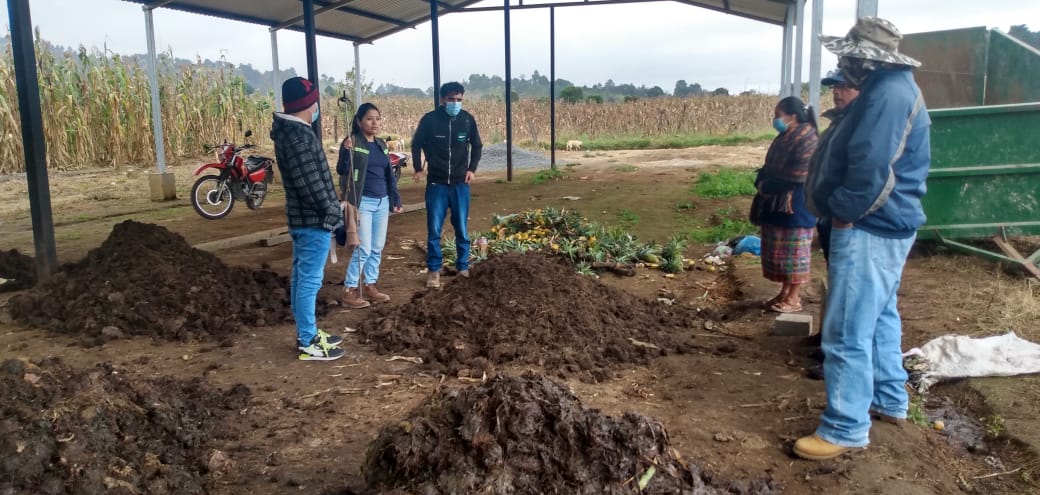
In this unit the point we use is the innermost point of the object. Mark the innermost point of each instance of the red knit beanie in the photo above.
(298, 94)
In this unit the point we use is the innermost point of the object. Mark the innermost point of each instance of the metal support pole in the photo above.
(866, 8)
(552, 88)
(312, 55)
(153, 83)
(785, 58)
(815, 51)
(33, 143)
(276, 73)
(796, 84)
(436, 32)
(357, 75)
(509, 100)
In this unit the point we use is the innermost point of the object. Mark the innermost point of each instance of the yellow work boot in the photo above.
(815, 448)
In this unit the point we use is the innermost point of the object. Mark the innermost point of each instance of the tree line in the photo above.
(537, 86)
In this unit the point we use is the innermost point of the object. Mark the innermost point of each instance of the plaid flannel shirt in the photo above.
(310, 194)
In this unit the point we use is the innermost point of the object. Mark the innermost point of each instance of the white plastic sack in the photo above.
(953, 356)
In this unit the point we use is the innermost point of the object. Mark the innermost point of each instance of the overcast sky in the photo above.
(650, 43)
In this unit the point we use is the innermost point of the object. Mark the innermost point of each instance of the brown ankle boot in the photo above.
(373, 294)
(352, 299)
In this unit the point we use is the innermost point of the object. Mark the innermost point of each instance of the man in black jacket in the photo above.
(312, 209)
(449, 138)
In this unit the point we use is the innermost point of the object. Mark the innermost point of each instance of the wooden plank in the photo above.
(241, 240)
(273, 237)
(1013, 253)
(413, 207)
(276, 240)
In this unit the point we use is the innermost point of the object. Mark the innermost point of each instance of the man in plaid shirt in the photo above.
(312, 209)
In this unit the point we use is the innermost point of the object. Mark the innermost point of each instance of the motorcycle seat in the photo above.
(254, 162)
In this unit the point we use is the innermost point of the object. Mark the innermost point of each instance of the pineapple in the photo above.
(649, 253)
(672, 255)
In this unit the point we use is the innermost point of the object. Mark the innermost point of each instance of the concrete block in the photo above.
(793, 325)
(162, 187)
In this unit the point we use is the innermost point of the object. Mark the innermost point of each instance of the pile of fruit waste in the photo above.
(590, 246)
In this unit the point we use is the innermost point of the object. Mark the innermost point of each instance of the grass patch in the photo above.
(725, 184)
(628, 217)
(668, 142)
(727, 229)
(543, 176)
(626, 168)
(994, 425)
(725, 225)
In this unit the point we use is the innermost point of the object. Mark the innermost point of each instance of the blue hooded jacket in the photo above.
(871, 169)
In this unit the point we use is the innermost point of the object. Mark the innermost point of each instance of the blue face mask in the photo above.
(779, 125)
(314, 116)
(453, 107)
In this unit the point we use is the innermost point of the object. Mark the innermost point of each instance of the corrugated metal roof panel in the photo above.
(369, 20)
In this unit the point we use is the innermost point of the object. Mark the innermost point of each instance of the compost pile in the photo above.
(530, 309)
(516, 435)
(146, 280)
(100, 431)
(18, 270)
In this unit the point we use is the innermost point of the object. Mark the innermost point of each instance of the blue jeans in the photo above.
(310, 248)
(439, 198)
(862, 334)
(374, 214)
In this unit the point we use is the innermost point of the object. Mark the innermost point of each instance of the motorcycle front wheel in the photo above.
(212, 197)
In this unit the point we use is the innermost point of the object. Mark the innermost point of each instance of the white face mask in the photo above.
(314, 116)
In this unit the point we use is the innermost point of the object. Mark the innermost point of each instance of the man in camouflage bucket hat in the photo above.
(872, 38)
(867, 180)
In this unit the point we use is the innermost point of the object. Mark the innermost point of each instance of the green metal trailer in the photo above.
(984, 182)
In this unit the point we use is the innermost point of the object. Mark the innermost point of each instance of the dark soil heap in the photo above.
(530, 309)
(528, 435)
(146, 280)
(19, 269)
(99, 431)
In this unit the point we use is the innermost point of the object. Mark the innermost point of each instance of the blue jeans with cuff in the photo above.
(862, 335)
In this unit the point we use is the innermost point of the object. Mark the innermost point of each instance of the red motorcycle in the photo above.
(397, 161)
(238, 178)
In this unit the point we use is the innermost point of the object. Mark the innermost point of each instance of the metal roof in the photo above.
(364, 21)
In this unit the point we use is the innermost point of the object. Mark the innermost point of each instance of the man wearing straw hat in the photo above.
(869, 181)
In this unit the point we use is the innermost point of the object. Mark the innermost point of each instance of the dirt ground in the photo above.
(731, 404)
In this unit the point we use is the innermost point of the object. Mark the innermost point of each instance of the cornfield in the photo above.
(96, 112)
(649, 117)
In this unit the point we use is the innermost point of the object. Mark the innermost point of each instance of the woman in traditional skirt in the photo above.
(779, 207)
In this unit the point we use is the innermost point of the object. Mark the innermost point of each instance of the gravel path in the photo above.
(493, 157)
